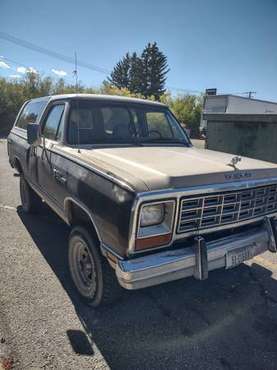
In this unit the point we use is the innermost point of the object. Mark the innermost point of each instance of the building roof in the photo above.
(245, 98)
(233, 104)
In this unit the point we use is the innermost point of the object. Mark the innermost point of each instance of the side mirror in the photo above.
(33, 137)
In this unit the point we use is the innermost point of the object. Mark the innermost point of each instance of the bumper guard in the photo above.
(196, 260)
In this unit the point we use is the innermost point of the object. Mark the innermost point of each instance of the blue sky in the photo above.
(228, 44)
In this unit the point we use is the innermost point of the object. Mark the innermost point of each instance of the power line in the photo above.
(13, 61)
(67, 59)
(249, 93)
(53, 54)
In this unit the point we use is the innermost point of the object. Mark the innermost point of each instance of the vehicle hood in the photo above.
(153, 168)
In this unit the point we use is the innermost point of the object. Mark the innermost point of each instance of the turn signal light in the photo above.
(153, 241)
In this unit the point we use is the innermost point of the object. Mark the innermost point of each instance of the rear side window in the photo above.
(30, 113)
(52, 123)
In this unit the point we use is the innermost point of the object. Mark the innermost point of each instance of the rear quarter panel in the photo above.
(18, 148)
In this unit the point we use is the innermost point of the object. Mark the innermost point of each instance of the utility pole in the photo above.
(75, 72)
(250, 94)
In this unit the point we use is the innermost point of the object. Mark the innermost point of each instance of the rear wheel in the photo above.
(92, 275)
(30, 201)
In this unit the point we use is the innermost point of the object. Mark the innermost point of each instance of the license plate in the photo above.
(237, 256)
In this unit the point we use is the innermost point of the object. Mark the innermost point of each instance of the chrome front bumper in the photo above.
(196, 260)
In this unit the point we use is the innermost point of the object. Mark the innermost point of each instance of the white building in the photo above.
(234, 104)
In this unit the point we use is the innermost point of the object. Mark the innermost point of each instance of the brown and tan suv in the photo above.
(145, 206)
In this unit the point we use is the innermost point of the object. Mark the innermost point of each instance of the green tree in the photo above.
(155, 69)
(144, 74)
(120, 74)
(135, 74)
(187, 108)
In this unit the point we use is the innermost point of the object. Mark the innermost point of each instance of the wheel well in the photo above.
(78, 216)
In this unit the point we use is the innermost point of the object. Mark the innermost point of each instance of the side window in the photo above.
(30, 113)
(53, 121)
(157, 123)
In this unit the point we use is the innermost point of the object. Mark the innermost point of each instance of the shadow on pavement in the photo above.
(226, 322)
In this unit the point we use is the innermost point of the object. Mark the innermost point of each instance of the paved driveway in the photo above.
(226, 322)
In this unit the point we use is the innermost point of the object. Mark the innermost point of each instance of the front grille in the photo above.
(212, 210)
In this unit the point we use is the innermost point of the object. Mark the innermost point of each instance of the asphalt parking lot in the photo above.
(226, 322)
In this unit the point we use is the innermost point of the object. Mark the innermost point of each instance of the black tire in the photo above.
(92, 275)
(30, 201)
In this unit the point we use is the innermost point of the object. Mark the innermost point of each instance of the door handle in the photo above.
(59, 176)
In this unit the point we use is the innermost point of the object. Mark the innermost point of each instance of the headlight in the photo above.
(155, 227)
(152, 215)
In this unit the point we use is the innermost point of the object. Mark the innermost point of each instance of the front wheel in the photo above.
(30, 201)
(92, 275)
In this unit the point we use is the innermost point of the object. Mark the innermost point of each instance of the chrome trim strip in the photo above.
(58, 150)
(84, 208)
(19, 132)
(49, 202)
(159, 195)
(106, 248)
(175, 264)
(212, 188)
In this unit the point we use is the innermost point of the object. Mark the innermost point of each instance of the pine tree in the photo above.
(120, 74)
(155, 69)
(145, 74)
(135, 74)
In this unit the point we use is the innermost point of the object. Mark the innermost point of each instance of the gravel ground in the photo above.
(226, 322)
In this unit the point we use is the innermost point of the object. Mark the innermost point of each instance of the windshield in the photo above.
(92, 122)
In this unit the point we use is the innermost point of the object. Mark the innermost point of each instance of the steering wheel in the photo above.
(155, 132)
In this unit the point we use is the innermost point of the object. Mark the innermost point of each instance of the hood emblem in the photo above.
(234, 161)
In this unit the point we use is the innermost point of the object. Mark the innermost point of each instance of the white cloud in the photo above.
(32, 70)
(25, 70)
(21, 69)
(15, 76)
(59, 72)
(4, 65)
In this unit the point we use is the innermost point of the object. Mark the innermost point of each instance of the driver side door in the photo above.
(51, 174)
